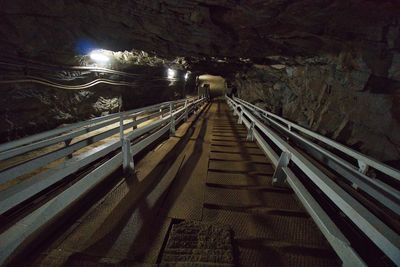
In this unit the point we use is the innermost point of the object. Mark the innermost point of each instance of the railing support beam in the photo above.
(250, 133)
(172, 125)
(186, 111)
(128, 165)
(279, 177)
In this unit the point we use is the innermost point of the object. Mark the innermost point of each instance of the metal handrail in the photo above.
(379, 233)
(28, 227)
(8, 200)
(382, 192)
(42, 160)
(65, 130)
(363, 160)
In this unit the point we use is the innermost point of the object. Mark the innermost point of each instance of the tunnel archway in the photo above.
(217, 84)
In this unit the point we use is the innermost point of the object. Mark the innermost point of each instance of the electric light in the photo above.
(186, 76)
(171, 73)
(99, 57)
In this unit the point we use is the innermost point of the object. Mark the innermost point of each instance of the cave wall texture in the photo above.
(345, 103)
(331, 65)
(28, 109)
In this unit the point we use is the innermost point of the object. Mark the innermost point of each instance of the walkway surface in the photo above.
(202, 197)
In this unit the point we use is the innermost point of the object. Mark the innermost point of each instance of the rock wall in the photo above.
(53, 29)
(339, 97)
(336, 62)
(28, 108)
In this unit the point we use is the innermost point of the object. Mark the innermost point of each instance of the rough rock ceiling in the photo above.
(253, 29)
(326, 64)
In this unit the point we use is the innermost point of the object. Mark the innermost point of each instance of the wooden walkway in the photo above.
(203, 197)
(269, 224)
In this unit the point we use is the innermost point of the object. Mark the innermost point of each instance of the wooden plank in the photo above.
(241, 150)
(240, 166)
(238, 179)
(233, 143)
(250, 198)
(238, 157)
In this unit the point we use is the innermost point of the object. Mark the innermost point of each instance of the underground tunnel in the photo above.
(200, 133)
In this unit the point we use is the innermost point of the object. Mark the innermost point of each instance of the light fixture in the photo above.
(99, 57)
(186, 76)
(171, 73)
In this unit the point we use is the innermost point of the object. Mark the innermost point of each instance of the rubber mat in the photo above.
(199, 244)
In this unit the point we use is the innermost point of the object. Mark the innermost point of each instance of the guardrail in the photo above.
(263, 125)
(159, 119)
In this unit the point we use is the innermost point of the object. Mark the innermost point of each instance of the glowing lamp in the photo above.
(171, 73)
(99, 57)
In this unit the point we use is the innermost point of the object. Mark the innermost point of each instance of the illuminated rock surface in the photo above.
(332, 66)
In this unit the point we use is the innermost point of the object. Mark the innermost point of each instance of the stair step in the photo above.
(238, 179)
(250, 198)
(264, 188)
(259, 210)
(240, 166)
(228, 138)
(238, 157)
(233, 144)
(238, 149)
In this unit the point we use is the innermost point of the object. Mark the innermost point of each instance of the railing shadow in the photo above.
(134, 200)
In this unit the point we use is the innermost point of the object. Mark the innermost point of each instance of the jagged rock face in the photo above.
(331, 65)
(29, 108)
(199, 27)
(324, 94)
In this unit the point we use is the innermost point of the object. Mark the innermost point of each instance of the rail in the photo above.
(155, 121)
(281, 139)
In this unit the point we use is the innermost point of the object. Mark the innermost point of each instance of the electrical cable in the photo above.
(35, 65)
(32, 79)
(68, 87)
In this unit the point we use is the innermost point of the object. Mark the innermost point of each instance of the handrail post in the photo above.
(67, 143)
(240, 120)
(161, 113)
(121, 121)
(362, 167)
(172, 126)
(250, 133)
(127, 159)
(186, 110)
(128, 165)
(279, 177)
(134, 119)
(121, 126)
